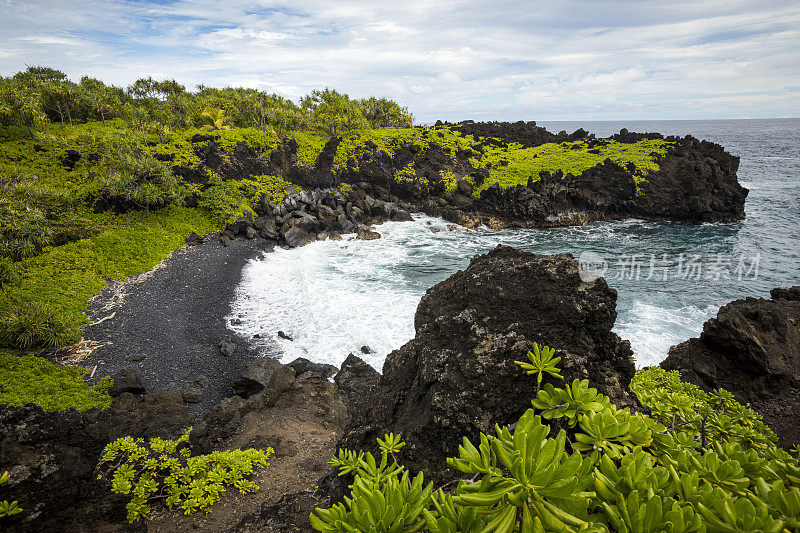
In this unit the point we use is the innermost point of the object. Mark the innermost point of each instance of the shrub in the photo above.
(33, 216)
(133, 176)
(166, 470)
(595, 469)
(34, 325)
(30, 379)
(8, 272)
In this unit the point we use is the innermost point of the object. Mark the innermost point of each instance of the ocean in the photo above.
(334, 297)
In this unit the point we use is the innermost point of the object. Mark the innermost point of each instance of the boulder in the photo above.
(356, 379)
(367, 234)
(192, 395)
(194, 239)
(344, 225)
(296, 237)
(254, 376)
(302, 365)
(327, 216)
(401, 215)
(457, 377)
(227, 346)
(465, 188)
(242, 223)
(304, 221)
(751, 349)
(126, 380)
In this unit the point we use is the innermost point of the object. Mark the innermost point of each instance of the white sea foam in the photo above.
(334, 297)
(652, 329)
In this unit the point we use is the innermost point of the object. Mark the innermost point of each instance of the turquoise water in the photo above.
(334, 297)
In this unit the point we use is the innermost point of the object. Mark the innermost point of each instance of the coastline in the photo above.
(171, 321)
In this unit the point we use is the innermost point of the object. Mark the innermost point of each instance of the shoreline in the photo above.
(170, 321)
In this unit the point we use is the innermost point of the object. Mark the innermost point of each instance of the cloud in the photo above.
(573, 59)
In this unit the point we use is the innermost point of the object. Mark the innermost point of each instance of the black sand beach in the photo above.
(168, 324)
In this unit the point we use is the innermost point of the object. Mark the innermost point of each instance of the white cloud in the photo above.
(573, 59)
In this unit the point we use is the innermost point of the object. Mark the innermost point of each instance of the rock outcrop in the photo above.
(52, 458)
(457, 377)
(696, 182)
(752, 349)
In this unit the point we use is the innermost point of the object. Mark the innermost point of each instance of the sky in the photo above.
(449, 60)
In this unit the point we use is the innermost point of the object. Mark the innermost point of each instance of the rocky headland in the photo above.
(695, 182)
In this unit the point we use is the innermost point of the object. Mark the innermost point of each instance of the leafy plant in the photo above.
(572, 402)
(383, 498)
(541, 362)
(166, 470)
(597, 469)
(8, 508)
(27, 325)
(214, 119)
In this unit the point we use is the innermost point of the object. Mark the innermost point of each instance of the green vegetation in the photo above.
(64, 278)
(94, 178)
(165, 471)
(8, 508)
(507, 166)
(596, 468)
(29, 379)
(513, 166)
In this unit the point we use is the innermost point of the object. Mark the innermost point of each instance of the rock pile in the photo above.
(320, 214)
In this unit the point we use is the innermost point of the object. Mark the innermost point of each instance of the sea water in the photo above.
(334, 297)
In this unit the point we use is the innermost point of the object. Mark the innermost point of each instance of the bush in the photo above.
(34, 325)
(8, 272)
(596, 468)
(165, 470)
(30, 379)
(135, 177)
(33, 216)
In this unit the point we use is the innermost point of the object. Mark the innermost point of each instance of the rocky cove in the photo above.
(455, 378)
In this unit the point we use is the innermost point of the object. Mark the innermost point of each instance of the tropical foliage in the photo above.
(165, 471)
(155, 108)
(593, 468)
(8, 508)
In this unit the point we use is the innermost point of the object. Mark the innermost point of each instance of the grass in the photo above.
(30, 379)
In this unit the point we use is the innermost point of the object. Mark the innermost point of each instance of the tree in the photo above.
(382, 112)
(21, 106)
(104, 99)
(332, 111)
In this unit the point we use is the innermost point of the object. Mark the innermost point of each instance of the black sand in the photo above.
(172, 320)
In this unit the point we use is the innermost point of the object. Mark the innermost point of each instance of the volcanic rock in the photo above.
(457, 377)
(751, 349)
(356, 379)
